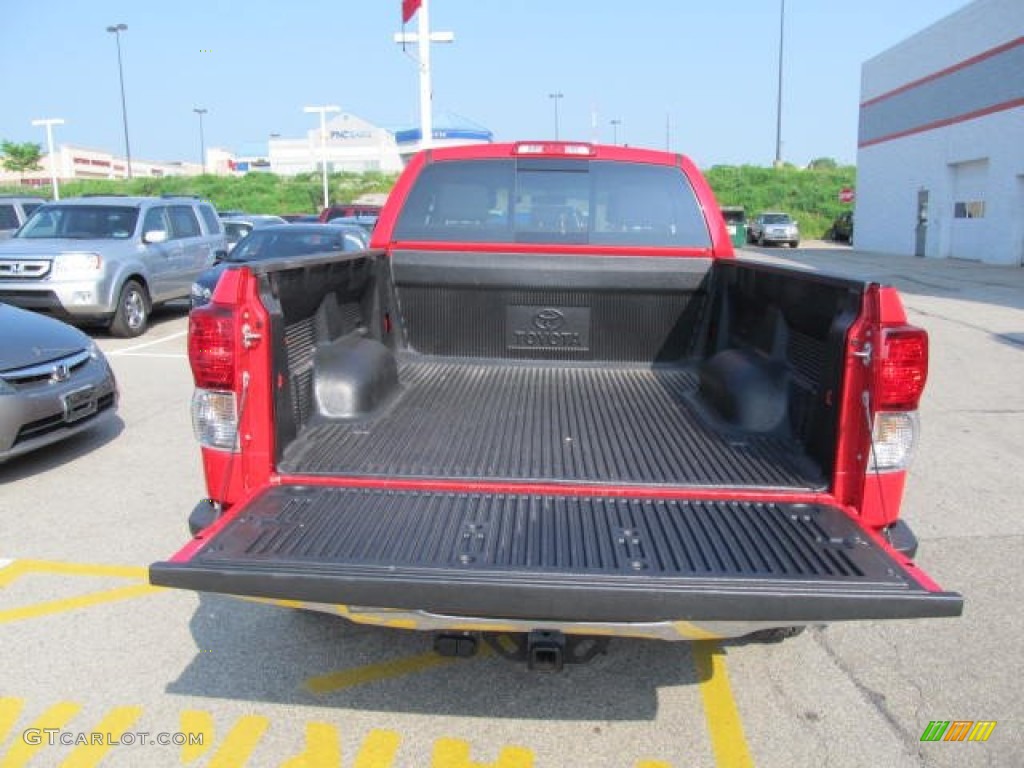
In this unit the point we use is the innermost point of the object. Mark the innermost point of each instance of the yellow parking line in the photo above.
(79, 569)
(728, 742)
(323, 748)
(378, 750)
(13, 570)
(454, 753)
(653, 764)
(71, 603)
(56, 717)
(10, 710)
(240, 742)
(117, 721)
(371, 673)
(196, 721)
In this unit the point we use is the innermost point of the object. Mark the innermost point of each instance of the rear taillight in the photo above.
(900, 375)
(902, 368)
(894, 436)
(211, 347)
(211, 353)
(215, 419)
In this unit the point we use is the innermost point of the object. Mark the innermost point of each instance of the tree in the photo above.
(822, 164)
(19, 158)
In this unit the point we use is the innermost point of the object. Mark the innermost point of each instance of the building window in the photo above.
(975, 209)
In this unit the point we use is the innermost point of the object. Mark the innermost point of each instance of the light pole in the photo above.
(555, 97)
(117, 29)
(49, 123)
(615, 130)
(202, 139)
(778, 106)
(323, 141)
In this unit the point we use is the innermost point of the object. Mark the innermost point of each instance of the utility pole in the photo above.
(49, 123)
(778, 106)
(423, 38)
(116, 30)
(555, 97)
(202, 139)
(323, 143)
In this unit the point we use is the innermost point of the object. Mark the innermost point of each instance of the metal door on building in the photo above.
(921, 238)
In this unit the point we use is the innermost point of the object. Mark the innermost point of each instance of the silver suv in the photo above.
(14, 211)
(108, 260)
(774, 227)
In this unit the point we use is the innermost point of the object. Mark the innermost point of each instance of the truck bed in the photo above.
(538, 421)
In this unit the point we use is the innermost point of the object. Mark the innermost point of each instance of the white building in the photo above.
(352, 144)
(940, 161)
(82, 163)
(356, 145)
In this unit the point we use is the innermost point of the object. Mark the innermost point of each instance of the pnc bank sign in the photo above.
(346, 135)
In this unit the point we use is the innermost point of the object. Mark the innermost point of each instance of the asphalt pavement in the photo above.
(88, 647)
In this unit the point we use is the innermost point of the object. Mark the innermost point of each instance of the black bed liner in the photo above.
(550, 557)
(536, 421)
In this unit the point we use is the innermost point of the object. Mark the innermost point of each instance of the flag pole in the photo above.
(426, 95)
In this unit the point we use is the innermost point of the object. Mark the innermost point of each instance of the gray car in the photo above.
(14, 211)
(54, 382)
(109, 260)
(238, 225)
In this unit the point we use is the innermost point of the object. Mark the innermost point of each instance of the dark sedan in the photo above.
(281, 241)
(54, 382)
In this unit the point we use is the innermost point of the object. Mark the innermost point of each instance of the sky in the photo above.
(697, 76)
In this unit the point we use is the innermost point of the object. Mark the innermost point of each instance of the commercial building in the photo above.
(356, 145)
(940, 161)
(82, 163)
(351, 144)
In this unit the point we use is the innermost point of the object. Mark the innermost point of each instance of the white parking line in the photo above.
(162, 339)
(175, 355)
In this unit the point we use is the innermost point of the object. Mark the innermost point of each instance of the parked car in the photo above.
(54, 382)
(349, 209)
(280, 241)
(109, 260)
(239, 225)
(292, 218)
(14, 211)
(842, 228)
(366, 223)
(774, 227)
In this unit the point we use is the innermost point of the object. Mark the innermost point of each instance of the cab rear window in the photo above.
(554, 201)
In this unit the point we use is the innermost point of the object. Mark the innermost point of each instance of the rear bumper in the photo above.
(556, 559)
(424, 621)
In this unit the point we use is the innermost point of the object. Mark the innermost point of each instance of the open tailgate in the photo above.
(555, 558)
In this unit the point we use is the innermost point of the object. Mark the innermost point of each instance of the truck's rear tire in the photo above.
(132, 315)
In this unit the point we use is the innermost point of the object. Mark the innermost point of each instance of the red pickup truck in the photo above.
(550, 402)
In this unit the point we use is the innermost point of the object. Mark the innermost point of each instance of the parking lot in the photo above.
(89, 647)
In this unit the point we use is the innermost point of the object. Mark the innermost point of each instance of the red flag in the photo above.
(409, 8)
